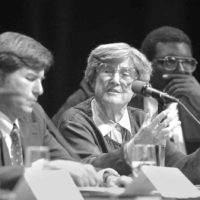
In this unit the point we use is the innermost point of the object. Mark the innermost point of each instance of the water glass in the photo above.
(160, 154)
(142, 154)
(34, 153)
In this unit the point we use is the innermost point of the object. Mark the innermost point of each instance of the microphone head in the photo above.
(145, 89)
(139, 86)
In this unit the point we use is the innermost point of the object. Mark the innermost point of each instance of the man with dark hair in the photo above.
(23, 63)
(170, 51)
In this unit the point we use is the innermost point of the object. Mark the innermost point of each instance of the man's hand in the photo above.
(184, 85)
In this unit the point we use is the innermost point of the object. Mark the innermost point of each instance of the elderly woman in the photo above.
(103, 129)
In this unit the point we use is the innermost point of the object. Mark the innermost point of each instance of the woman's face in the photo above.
(113, 83)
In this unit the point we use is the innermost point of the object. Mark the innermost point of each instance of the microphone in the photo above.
(145, 89)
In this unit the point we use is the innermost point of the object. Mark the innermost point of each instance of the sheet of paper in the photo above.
(113, 192)
(58, 184)
(167, 181)
(52, 184)
(101, 191)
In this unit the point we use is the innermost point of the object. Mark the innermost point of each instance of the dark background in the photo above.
(72, 28)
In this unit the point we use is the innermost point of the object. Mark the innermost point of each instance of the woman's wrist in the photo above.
(105, 174)
(127, 150)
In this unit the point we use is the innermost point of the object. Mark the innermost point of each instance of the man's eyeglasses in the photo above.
(171, 63)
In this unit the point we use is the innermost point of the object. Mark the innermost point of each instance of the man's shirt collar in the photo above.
(6, 125)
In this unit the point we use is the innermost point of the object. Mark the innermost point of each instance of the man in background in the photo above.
(170, 51)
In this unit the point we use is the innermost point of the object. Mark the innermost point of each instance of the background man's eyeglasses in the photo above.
(170, 63)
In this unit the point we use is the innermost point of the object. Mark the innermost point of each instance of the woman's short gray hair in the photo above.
(117, 53)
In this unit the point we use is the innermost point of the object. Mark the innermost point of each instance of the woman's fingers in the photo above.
(159, 118)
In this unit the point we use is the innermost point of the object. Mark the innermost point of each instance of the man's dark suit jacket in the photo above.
(34, 132)
(191, 129)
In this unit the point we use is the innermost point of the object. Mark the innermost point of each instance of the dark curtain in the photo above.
(72, 28)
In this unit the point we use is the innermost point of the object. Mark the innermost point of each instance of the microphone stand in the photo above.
(189, 112)
(162, 104)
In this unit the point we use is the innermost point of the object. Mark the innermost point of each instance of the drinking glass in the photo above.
(160, 154)
(142, 155)
(34, 153)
